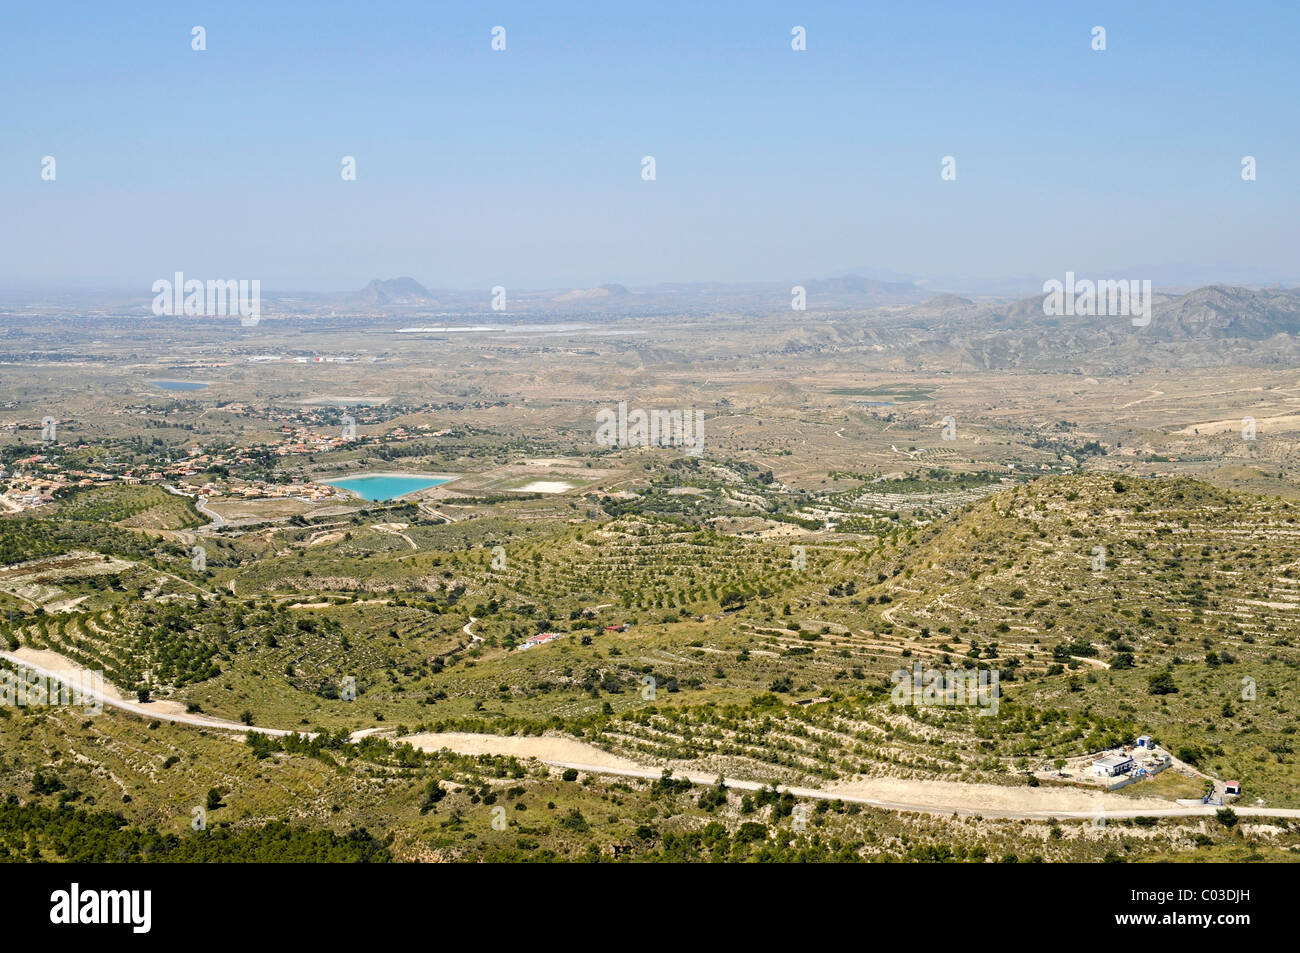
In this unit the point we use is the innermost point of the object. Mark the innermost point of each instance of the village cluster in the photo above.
(39, 478)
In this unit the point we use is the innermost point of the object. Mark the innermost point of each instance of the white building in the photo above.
(1111, 765)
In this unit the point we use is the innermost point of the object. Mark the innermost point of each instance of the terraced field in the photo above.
(747, 656)
(138, 507)
(1180, 556)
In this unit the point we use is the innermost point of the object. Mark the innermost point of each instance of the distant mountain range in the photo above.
(1215, 312)
(616, 292)
(405, 293)
(857, 287)
(1207, 326)
(842, 311)
(845, 291)
(1203, 326)
(1219, 312)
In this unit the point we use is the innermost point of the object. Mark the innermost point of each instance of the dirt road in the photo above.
(56, 667)
(929, 797)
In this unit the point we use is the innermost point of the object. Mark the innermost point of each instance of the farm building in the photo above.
(1112, 764)
(541, 639)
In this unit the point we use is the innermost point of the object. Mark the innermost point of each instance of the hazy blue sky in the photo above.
(522, 168)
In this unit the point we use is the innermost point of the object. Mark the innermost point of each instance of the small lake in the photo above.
(179, 385)
(379, 488)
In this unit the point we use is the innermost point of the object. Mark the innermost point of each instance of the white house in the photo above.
(1112, 764)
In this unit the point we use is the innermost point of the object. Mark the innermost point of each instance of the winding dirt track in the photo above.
(54, 666)
(896, 794)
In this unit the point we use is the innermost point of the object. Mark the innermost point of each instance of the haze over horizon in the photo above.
(527, 171)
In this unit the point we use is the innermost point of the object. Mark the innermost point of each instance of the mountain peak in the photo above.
(395, 291)
(604, 291)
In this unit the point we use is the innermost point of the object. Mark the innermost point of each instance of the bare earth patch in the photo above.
(543, 748)
(961, 795)
(546, 486)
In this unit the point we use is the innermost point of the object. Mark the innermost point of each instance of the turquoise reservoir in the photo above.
(379, 488)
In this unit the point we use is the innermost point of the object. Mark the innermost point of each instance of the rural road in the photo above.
(708, 780)
(395, 529)
(218, 520)
(67, 673)
(426, 508)
(42, 662)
